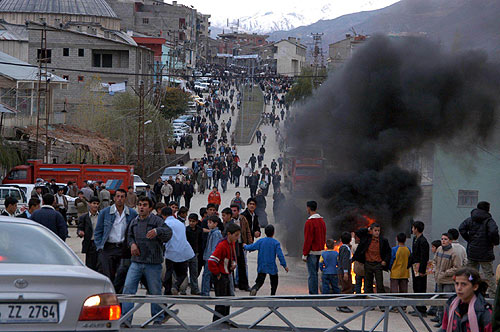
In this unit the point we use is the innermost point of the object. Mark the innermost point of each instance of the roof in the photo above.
(291, 42)
(22, 71)
(13, 32)
(90, 141)
(72, 7)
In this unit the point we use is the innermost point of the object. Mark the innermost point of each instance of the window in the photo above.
(45, 56)
(80, 78)
(66, 77)
(65, 51)
(48, 250)
(19, 174)
(102, 60)
(81, 52)
(107, 60)
(145, 20)
(468, 198)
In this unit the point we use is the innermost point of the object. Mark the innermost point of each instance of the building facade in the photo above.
(290, 56)
(341, 51)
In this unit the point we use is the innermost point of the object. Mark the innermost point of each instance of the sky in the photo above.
(221, 10)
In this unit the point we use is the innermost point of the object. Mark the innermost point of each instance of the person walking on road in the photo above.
(146, 235)
(109, 233)
(247, 172)
(314, 243)
(166, 191)
(86, 226)
(481, 233)
(178, 252)
(252, 161)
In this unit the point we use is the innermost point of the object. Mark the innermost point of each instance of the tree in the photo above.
(305, 84)
(175, 101)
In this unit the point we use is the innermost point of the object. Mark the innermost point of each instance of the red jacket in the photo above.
(314, 235)
(214, 198)
(222, 258)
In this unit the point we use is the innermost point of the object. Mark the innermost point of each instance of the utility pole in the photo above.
(318, 60)
(42, 66)
(141, 93)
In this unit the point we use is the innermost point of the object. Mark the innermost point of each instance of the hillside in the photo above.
(458, 24)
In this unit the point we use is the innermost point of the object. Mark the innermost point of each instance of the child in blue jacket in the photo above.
(268, 248)
(328, 264)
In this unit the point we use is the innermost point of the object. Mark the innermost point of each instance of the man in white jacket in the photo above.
(247, 171)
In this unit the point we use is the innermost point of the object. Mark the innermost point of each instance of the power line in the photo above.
(153, 74)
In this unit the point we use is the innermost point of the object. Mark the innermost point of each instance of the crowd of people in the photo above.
(453, 268)
(132, 239)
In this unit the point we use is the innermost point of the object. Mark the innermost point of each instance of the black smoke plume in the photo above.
(395, 95)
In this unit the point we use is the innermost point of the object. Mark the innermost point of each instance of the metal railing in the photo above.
(287, 311)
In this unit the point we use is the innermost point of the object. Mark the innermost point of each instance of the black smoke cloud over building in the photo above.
(394, 96)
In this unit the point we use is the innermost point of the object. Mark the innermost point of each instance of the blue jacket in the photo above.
(214, 238)
(329, 261)
(177, 249)
(51, 219)
(268, 248)
(105, 223)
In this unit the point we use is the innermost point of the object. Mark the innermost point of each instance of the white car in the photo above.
(182, 126)
(139, 185)
(173, 171)
(203, 87)
(46, 287)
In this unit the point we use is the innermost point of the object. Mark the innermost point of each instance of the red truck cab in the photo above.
(302, 167)
(115, 176)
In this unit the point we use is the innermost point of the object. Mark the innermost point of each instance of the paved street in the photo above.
(294, 282)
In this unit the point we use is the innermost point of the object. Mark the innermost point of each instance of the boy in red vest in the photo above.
(222, 263)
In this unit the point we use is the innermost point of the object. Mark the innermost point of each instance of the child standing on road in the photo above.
(194, 236)
(268, 248)
(214, 236)
(399, 265)
(344, 268)
(328, 263)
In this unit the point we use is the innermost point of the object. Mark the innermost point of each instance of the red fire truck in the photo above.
(115, 176)
(302, 167)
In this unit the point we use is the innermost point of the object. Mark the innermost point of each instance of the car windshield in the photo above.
(22, 243)
(170, 171)
(19, 174)
(137, 178)
(307, 171)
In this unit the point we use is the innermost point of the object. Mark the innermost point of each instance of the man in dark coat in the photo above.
(178, 191)
(375, 253)
(157, 189)
(50, 218)
(251, 216)
(253, 182)
(188, 193)
(481, 233)
(418, 261)
(86, 225)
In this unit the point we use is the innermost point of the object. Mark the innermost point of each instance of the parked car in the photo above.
(15, 192)
(181, 125)
(139, 185)
(173, 171)
(46, 287)
(203, 87)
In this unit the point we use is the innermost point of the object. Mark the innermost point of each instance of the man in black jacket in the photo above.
(253, 182)
(481, 233)
(251, 216)
(418, 261)
(178, 191)
(375, 253)
(86, 225)
(50, 218)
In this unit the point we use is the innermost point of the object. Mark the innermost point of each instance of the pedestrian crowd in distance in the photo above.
(453, 268)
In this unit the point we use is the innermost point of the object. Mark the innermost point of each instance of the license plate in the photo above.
(29, 313)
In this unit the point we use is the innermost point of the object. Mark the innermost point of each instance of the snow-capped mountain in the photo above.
(277, 17)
